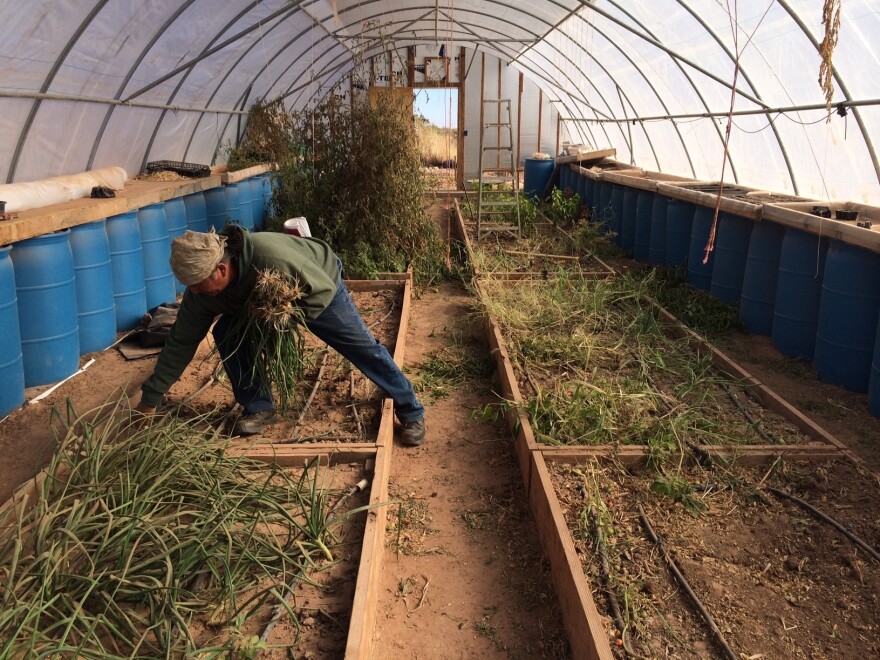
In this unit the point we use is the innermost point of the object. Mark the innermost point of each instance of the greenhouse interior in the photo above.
(477, 329)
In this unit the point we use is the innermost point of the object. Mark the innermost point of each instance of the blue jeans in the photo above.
(341, 327)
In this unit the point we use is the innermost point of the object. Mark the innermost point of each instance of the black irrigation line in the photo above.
(826, 519)
(755, 423)
(682, 580)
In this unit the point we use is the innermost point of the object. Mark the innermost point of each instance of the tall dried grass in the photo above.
(437, 146)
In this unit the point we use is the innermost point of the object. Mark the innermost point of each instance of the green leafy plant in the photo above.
(678, 489)
(564, 206)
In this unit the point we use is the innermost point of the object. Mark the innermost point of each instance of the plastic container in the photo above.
(848, 314)
(537, 175)
(798, 292)
(628, 220)
(731, 252)
(93, 275)
(758, 297)
(874, 385)
(196, 212)
(657, 241)
(699, 273)
(258, 209)
(642, 240)
(175, 217)
(44, 285)
(245, 209)
(615, 212)
(216, 215)
(233, 203)
(156, 245)
(679, 223)
(127, 264)
(11, 367)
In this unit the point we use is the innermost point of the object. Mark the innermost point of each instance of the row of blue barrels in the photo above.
(67, 293)
(818, 299)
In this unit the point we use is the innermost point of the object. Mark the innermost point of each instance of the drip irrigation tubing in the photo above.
(756, 424)
(826, 519)
(680, 578)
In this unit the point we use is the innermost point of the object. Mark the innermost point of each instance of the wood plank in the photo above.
(247, 173)
(586, 157)
(136, 194)
(799, 217)
(734, 206)
(632, 456)
(587, 633)
(373, 285)
(298, 455)
(362, 625)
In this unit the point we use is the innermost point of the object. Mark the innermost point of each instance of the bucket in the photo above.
(615, 212)
(761, 277)
(156, 245)
(731, 251)
(44, 285)
(196, 212)
(216, 215)
(798, 292)
(847, 316)
(233, 203)
(700, 274)
(297, 227)
(679, 222)
(537, 174)
(245, 208)
(628, 220)
(258, 209)
(11, 367)
(644, 210)
(175, 217)
(93, 276)
(874, 386)
(127, 264)
(657, 242)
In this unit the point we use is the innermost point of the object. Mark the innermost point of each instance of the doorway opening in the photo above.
(435, 112)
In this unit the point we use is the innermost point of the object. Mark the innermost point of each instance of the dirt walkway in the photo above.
(463, 574)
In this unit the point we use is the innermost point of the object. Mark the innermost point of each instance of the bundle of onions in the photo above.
(271, 333)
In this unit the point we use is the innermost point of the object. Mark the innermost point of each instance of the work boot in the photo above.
(255, 422)
(412, 434)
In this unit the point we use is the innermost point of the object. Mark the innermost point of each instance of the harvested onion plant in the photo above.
(271, 334)
(149, 542)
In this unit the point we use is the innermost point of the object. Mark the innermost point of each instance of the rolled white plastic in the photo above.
(297, 227)
(59, 189)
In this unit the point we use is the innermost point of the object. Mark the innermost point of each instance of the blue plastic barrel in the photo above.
(679, 223)
(537, 174)
(628, 220)
(700, 274)
(602, 204)
(93, 275)
(657, 242)
(563, 177)
(847, 316)
(642, 240)
(233, 202)
(874, 385)
(158, 278)
(759, 282)
(269, 184)
(196, 212)
(245, 208)
(216, 214)
(731, 252)
(175, 217)
(798, 292)
(615, 212)
(258, 209)
(11, 367)
(44, 285)
(127, 263)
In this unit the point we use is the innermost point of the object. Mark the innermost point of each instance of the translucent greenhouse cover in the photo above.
(93, 83)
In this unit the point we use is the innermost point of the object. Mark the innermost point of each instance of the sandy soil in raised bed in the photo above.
(779, 583)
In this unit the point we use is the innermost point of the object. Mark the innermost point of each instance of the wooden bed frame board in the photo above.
(587, 634)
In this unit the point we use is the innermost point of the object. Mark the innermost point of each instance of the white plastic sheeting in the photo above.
(90, 83)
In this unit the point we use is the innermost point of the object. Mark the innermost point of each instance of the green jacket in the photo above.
(310, 260)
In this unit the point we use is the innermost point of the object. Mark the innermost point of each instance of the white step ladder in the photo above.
(495, 214)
